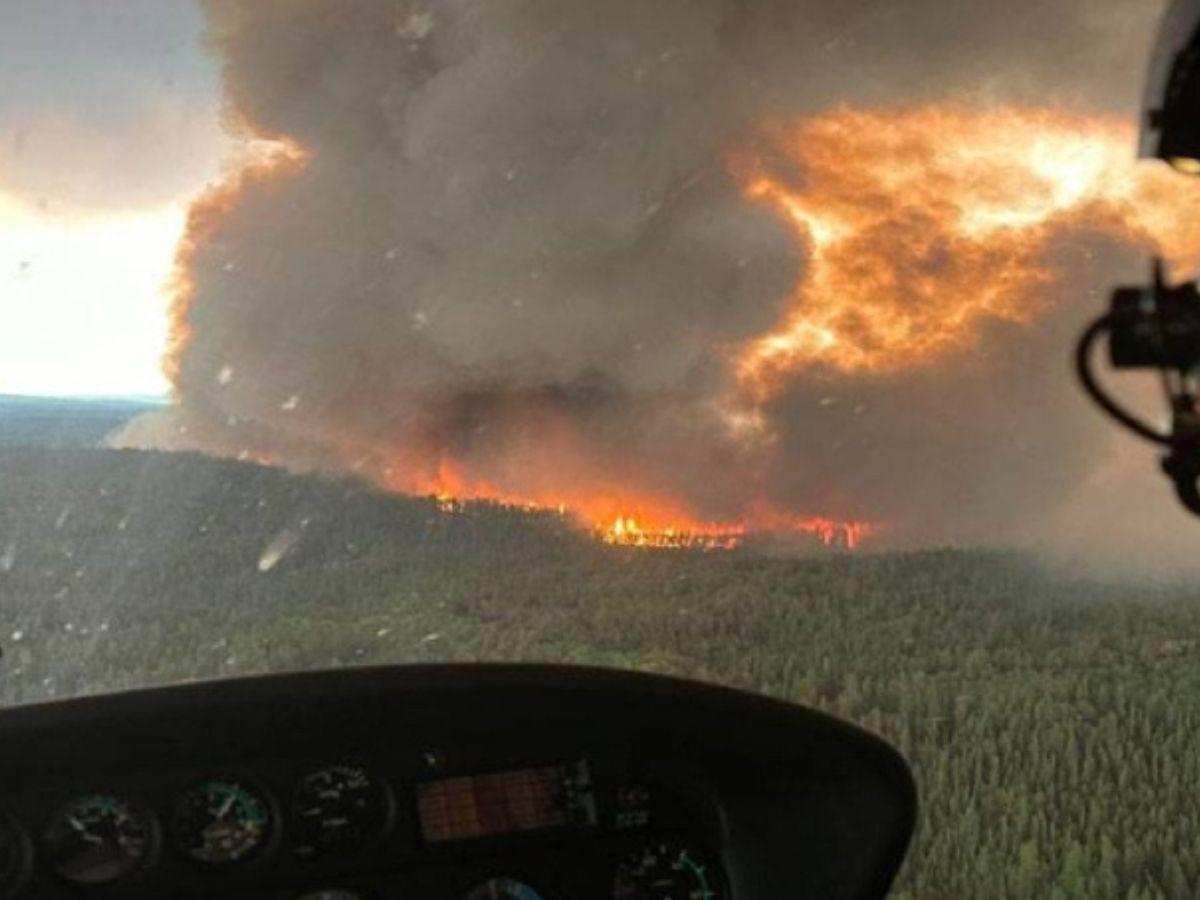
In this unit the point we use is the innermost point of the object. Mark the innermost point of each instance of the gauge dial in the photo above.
(503, 889)
(666, 871)
(221, 822)
(337, 809)
(98, 838)
(15, 857)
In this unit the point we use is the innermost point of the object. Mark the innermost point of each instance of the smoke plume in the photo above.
(542, 251)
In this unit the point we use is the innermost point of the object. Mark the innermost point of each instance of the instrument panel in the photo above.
(339, 827)
(446, 783)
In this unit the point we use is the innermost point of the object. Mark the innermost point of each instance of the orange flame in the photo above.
(922, 223)
(625, 517)
(628, 531)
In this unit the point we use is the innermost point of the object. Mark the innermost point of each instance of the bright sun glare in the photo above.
(83, 301)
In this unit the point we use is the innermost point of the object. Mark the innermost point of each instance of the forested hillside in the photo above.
(1052, 723)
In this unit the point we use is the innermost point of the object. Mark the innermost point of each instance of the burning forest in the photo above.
(684, 272)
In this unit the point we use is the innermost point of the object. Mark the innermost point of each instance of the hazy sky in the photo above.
(108, 125)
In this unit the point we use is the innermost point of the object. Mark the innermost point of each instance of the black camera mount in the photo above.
(1155, 328)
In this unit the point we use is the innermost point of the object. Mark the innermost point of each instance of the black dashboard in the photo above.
(473, 782)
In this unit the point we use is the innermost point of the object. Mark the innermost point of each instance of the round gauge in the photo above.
(503, 889)
(666, 871)
(337, 809)
(221, 822)
(97, 839)
(15, 857)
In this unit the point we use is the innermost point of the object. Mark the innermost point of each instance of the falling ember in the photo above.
(921, 224)
(278, 548)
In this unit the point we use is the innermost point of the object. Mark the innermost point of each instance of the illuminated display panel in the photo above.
(471, 806)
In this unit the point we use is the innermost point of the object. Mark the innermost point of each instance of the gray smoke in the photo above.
(516, 243)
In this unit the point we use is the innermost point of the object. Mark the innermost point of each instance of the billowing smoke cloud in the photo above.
(501, 250)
